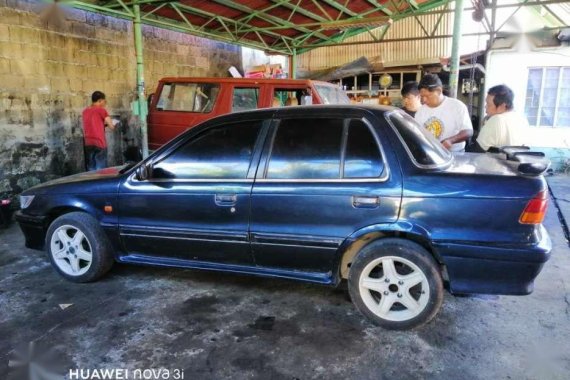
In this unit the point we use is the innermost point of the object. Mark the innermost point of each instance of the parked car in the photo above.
(318, 194)
(183, 103)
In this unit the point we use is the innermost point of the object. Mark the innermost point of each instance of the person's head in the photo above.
(98, 99)
(411, 96)
(499, 100)
(431, 90)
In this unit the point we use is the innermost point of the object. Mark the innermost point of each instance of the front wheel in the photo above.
(78, 248)
(396, 284)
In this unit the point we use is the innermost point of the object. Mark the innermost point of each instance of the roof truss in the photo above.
(290, 26)
(276, 26)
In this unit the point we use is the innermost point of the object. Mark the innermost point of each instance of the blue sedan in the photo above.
(320, 194)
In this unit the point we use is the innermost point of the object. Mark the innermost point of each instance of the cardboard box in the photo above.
(265, 71)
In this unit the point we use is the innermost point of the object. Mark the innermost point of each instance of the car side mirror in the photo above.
(143, 172)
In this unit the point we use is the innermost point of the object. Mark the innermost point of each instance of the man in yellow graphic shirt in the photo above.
(447, 118)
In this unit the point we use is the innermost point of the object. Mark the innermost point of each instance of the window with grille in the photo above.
(547, 102)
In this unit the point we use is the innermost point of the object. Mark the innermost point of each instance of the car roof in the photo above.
(320, 109)
(346, 110)
(244, 81)
(330, 107)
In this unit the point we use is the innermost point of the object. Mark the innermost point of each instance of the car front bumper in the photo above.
(494, 269)
(34, 229)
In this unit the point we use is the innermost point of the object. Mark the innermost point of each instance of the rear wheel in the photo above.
(78, 248)
(396, 284)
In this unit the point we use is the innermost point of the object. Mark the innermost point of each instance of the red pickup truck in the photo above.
(182, 103)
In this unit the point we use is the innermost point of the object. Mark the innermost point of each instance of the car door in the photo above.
(320, 180)
(196, 204)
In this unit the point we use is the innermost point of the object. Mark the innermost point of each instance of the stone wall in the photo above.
(48, 72)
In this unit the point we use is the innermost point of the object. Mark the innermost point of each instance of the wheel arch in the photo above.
(359, 239)
(58, 211)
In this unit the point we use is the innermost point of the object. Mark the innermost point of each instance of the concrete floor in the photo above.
(215, 325)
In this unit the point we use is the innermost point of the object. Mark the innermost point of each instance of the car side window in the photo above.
(218, 153)
(291, 97)
(188, 97)
(362, 158)
(306, 149)
(245, 99)
(422, 146)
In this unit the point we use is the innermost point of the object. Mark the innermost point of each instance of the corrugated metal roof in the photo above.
(425, 38)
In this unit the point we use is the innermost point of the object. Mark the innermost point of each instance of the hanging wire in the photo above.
(471, 85)
(478, 16)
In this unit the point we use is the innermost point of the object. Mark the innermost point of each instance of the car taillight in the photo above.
(535, 209)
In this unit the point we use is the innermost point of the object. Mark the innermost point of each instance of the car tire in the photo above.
(78, 247)
(396, 284)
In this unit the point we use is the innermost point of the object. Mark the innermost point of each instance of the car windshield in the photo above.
(332, 94)
(422, 146)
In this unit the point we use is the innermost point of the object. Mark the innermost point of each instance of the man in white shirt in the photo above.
(447, 118)
(503, 126)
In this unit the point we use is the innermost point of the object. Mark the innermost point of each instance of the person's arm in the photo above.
(465, 130)
(109, 123)
(463, 135)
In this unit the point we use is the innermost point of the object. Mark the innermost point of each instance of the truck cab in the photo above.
(182, 103)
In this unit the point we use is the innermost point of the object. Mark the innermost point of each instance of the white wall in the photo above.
(511, 68)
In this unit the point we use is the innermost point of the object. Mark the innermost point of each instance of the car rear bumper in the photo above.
(34, 229)
(486, 269)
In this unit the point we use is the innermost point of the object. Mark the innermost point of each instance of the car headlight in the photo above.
(26, 200)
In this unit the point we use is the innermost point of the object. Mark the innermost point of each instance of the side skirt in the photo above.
(314, 277)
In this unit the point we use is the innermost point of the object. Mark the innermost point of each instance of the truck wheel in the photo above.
(396, 284)
(78, 248)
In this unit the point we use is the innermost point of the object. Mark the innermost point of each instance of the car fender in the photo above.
(100, 206)
(361, 237)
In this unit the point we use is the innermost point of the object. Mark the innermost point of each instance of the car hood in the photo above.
(98, 181)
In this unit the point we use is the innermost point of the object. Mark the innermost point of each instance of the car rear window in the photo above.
(421, 145)
(332, 94)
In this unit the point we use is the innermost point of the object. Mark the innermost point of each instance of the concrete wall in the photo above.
(48, 73)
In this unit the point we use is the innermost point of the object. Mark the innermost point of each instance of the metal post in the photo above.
(142, 107)
(293, 64)
(493, 24)
(454, 75)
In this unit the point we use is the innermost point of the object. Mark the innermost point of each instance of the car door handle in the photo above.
(365, 202)
(226, 199)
